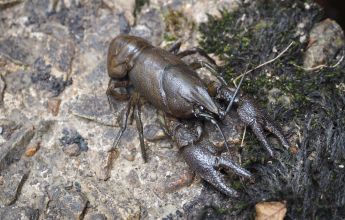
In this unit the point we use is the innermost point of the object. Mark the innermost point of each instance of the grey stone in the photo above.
(325, 41)
(95, 216)
(71, 202)
(17, 49)
(153, 20)
(18, 213)
(18, 81)
(153, 132)
(71, 137)
(133, 179)
(101, 163)
(15, 147)
(45, 80)
(13, 181)
(8, 127)
(96, 108)
(232, 128)
(71, 150)
(124, 24)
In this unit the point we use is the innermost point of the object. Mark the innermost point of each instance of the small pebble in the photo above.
(129, 157)
(294, 149)
(71, 150)
(30, 151)
(54, 106)
(153, 132)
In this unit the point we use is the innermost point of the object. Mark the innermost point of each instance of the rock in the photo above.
(54, 106)
(142, 31)
(71, 136)
(125, 28)
(42, 128)
(125, 6)
(101, 163)
(150, 26)
(71, 150)
(71, 202)
(199, 10)
(270, 210)
(45, 80)
(7, 128)
(133, 178)
(15, 147)
(232, 128)
(178, 181)
(325, 41)
(96, 108)
(18, 213)
(13, 181)
(31, 150)
(17, 82)
(95, 216)
(17, 49)
(153, 132)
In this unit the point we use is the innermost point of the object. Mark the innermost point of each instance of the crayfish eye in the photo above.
(197, 110)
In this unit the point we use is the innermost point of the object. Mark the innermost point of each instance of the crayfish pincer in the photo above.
(173, 86)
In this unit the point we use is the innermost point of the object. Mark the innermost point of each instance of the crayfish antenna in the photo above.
(222, 133)
(123, 125)
(118, 137)
(233, 97)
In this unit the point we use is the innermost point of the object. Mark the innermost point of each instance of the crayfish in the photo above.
(174, 87)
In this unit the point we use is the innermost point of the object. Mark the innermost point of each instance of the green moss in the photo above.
(240, 206)
(222, 210)
(250, 36)
(262, 25)
(169, 37)
(247, 37)
(176, 23)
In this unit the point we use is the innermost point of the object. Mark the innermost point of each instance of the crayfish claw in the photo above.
(277, 132)
(259, 133)
(254, 117)
(227, 163)
(217, 180)
(206, 164)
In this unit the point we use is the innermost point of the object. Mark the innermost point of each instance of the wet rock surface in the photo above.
(11, 184)
(19, 213)
(71, 202)
(325, 42)
(57, 128)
